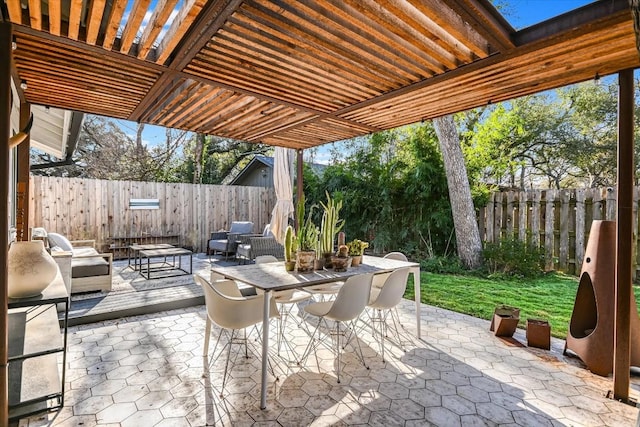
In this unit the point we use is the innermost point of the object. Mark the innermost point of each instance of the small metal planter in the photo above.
(505, 321)
(538, 334)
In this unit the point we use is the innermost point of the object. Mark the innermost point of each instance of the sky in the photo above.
(519, 13)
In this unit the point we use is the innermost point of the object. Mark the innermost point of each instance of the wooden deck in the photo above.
(120, 305)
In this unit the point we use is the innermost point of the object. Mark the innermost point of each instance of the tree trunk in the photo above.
(197, 158)
(464, 215)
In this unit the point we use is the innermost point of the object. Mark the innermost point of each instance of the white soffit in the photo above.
(50, 130)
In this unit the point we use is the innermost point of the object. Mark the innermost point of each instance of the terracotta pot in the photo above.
(327, 260)
(356, 260)
(318, 264)
(340, 263)
(30, 269)
(305, 260)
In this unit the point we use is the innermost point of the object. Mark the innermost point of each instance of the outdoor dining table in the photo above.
(273, 277)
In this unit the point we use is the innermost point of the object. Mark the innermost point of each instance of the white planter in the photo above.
(31, 269)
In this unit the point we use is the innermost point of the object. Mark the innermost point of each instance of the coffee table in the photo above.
(134, 252)
(171, 263)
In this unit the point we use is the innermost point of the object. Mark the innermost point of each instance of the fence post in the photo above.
(580, 228)
(549, 229)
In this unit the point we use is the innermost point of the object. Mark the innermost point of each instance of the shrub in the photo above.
(443, 265)
(512, 258)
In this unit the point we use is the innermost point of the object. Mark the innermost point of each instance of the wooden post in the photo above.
(5, 130)
(22, 202)
(299, 178)
(622, 330)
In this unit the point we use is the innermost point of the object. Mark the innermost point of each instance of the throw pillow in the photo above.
(56, 239)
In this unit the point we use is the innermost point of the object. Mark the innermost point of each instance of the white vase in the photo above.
(31, 269)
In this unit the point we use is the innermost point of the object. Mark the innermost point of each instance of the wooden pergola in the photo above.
(301, 73)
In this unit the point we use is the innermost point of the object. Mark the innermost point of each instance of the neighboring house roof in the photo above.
(257, 162)
(260, 162)
(54, 131)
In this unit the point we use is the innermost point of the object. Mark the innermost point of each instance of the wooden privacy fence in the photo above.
(100, 209)
(557, 221)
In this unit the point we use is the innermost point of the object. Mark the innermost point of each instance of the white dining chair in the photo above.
(379, 279)
(383, 300)
(285, 300)
(231, 314)
(346, 308)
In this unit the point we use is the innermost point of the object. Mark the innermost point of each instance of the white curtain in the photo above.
(282, 182)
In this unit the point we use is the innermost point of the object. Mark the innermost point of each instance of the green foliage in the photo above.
(356, 247)
(290, 244)
(549, 296)
(331, 223)
(393, 188)
(512, 258)
(443, 265)
(308, 233)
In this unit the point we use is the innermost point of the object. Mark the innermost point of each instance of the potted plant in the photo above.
(356, 250)
(331, 224)
(289, 249)
(307, 239)
(340, 260)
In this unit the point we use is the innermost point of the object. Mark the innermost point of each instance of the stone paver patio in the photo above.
(149, 371)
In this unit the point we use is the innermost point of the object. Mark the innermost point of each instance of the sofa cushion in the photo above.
(218, 245)
(90, 266)
(241, 227)
(59, 240)
(243, 250)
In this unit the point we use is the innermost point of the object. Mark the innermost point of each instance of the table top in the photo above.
(150, 246)
(162, 252)
(273, 276)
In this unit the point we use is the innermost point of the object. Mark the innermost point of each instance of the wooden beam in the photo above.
(5, 132)
(22, 202)
(179, 26)
(485, 20)
(211, 19)
(590, 13)
(624, 264)
(213, 16)
(299, 179)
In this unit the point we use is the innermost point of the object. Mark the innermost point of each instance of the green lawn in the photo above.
(550, 297)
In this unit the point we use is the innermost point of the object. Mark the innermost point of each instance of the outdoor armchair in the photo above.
(226, 242)
(251, 246)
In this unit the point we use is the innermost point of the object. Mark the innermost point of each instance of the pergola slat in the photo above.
(132, 26)
(55, 18)
(35, 14)
(75, 12)
(93, 20)
(15, 11)
(159, 18)
(274, 70)
(113, 23)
